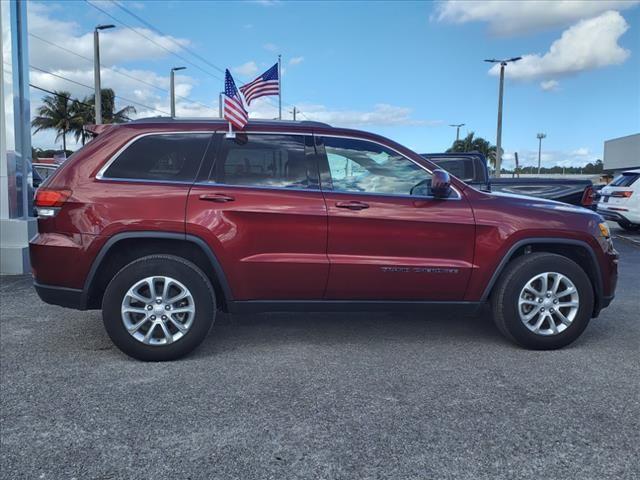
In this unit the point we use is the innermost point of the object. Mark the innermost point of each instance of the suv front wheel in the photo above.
(542, 301)
(158, 307)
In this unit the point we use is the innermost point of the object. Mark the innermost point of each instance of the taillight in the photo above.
(587, 197)
(621, 194)
(49, 201)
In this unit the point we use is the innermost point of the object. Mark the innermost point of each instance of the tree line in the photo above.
(590, 168)
(65, 115)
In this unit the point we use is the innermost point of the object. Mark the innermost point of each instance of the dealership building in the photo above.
(622, 153)
(17, 224)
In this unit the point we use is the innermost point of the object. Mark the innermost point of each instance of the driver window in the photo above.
(362, 166)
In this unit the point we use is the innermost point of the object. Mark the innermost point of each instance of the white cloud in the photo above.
(131, 85)
(380, 115)
(513, 18)
(549, 85)
(588, 45)
(296, 60)
(270, 47)
(121, 46)
(246, 69)
(580, 152)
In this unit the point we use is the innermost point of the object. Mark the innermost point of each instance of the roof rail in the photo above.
(254, 121)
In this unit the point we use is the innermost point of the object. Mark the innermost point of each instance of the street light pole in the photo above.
(173, 89)
(457, 125)
(96, 71)
(540, 136)
(503, 63)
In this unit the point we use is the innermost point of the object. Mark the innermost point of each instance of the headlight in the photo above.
(604, 239)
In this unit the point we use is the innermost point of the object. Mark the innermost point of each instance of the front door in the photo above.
(260, 209)
(389, 239)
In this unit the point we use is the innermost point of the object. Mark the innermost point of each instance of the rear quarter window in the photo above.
(173, 157)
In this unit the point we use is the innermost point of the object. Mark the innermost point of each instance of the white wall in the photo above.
(622, 153)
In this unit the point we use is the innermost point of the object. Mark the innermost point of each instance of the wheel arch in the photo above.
(123, 248)
(577, 250)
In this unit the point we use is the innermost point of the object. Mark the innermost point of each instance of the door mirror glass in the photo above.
(440, 184)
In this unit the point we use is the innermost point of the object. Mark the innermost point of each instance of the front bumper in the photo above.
(606, 301)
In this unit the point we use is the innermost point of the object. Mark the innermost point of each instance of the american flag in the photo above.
(233, 110)
(265, 84)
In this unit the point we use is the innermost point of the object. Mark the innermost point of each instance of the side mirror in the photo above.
(440, 184)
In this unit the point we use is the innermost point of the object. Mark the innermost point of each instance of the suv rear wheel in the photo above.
(158, 307)
(542, 301)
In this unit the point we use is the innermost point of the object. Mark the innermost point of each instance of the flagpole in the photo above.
(220, 104)
(280, 87)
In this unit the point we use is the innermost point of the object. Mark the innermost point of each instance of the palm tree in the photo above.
(109, 113)
(55, 113)
(84, 113)
(475, 144)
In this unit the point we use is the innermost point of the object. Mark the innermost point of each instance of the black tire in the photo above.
(177, 268)
(504, 300)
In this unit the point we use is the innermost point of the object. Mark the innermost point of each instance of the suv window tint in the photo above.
(362, 166)
(625, 180)
(170, 157)
(265, 161)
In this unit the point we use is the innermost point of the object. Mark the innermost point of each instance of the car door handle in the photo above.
(352, 205)
(216, 197)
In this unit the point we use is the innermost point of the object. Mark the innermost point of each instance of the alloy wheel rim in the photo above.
(548, 303)
(158, 310)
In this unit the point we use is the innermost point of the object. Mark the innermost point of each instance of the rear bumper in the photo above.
(614, 216)
(62, 296)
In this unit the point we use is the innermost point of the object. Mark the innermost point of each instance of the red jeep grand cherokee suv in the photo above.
(161, 222)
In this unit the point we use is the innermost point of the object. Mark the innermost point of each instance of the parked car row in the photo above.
(618, 201)
(472, 169)
(42, 171)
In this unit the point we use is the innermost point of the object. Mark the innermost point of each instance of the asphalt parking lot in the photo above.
(324, 396)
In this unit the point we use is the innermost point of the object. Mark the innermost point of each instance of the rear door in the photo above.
(389, 239)
(144, 186)
(259, 207)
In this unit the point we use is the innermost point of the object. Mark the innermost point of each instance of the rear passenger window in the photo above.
(171, 157)
(265, 161)
(625, 180)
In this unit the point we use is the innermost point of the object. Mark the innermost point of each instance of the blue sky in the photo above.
(403, 69)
